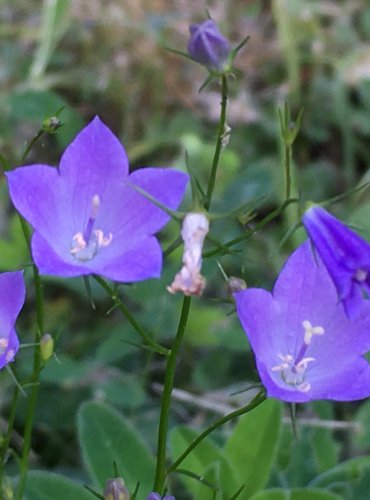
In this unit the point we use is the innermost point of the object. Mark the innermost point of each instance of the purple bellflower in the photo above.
(305, 346)
(87, 216)
(12, 295)
(157, 496)
(345, 255)
(208, 46)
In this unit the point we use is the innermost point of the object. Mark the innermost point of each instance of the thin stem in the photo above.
(288, 169)
(160, 474)
(32, 401)
(256, 401)
(31, 144)
(118, 302)
(271, 216)
(220, 135)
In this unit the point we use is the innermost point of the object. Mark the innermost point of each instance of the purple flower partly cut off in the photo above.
(87, 217)
(12, 295)
(157, 496)
(305, 346)
(345, 255)
(208, 46)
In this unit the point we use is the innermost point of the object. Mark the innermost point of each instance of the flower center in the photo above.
(360, 275)
(86, 245)
(293, 369)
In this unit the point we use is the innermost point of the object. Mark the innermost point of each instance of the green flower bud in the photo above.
(46, 347)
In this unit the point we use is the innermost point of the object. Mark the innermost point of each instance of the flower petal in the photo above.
(349, 384)
(12, 296)
(258, 314)
(38, 194)
(140, 262)
(52, 263)
(11, 350)
(93, 163)
(165, 185)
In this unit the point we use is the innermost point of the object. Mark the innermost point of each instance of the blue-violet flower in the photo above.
(87, 216)
(345, 254)
(12, 295)
(208, 46)
(157, 496)
(305, 346)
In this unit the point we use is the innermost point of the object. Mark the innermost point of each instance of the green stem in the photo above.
(271, 216)
(160, 474)
(220, 134)
(31, 144)
(288, 169)
(256, 401)
(32, 401)
(118, 302)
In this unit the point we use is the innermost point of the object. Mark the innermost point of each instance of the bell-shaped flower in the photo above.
(87, 216)
(189, 280)
(345, 254)
(157, 496)
(305, 346)
(208, 46)
(12, 295)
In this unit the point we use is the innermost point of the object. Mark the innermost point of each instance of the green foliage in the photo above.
(246, 459)
(47, 485)
(108, 440)
(295, 494)
(253, 444)
(349, 479)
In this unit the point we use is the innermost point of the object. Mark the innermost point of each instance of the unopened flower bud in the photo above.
(51, 124)
(115, 489)
(235, 285)
(208, 46)
(156, 496)
(46, 346)
(189, 281)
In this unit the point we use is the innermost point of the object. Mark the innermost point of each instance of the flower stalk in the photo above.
(160, 474)
(220, 140)
(37, 365)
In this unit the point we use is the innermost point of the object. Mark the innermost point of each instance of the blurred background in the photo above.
(109, 58)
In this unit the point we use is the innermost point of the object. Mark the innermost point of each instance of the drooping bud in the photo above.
(189, 281)
(208, 46)
(235, 285)
(46, 347)
(50, 125)
(115, 489)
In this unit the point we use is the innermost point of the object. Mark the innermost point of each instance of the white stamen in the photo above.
(95, 204)
(9, 355)
(304, 387)
(103, 241)
(79, 245)
(310, 331)
(86, 245)
(360, 274)
(302, 365)
(3, 345)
